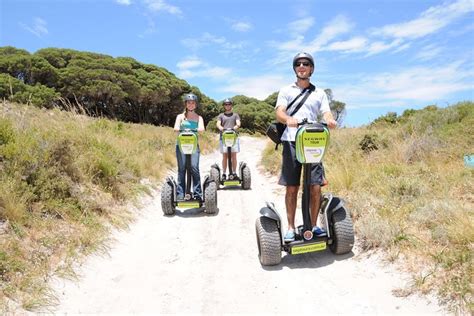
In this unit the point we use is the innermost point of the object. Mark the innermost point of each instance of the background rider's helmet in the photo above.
(306, 56)
(227, 101)
(190, 97)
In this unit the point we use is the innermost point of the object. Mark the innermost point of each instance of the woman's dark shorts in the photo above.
(291, 168)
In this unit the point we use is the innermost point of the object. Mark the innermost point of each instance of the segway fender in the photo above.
(206, 181)
(270, 212)
(331, 205)
(335, 204)
(217, 167)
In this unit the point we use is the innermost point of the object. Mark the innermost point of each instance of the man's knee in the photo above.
(315, 189)
(292, 191)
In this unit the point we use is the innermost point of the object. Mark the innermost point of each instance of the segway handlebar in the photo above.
(189, 130)
(229, 129)
(305, 121)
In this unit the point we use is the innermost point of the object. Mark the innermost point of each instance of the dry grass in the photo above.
(66, 180)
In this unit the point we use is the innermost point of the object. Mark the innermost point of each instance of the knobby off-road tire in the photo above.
(214, 175)
(343, 232)
(167, 203)
(210, 198)
(246, 178)
(268, 240)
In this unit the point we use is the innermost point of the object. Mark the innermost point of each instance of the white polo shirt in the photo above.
(316, 103)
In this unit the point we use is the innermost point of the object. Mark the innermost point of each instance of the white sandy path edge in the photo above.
(195, 263)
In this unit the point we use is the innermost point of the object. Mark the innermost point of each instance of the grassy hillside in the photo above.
(65, 181)
(410, 194)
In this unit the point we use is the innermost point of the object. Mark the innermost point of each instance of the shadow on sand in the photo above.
(192, 213)
(309, 260)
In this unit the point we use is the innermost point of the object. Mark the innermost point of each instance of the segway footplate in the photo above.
(307, 247)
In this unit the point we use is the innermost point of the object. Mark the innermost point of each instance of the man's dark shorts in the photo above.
(291, 168)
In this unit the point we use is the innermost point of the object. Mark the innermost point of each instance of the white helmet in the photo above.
(306, 56)
(190, 97)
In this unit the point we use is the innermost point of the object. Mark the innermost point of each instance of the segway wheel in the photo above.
(246, 179)
(214, 175)
(210, 198)
(268, 240)
(342, 232)
(167, 199)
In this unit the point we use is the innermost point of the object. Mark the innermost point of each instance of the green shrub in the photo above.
(37, 95)
(389, 118)
(369, 143)
(7, 133)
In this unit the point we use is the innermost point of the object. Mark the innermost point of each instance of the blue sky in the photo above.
(376, 56)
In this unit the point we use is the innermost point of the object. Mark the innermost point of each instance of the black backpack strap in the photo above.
(294, 100)
(308, 91)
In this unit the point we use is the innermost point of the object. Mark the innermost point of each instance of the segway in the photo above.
(243, 179)
(312, 140)
(188, 143)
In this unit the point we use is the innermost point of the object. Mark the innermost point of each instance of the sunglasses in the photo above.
(227, 104)
(302, 63)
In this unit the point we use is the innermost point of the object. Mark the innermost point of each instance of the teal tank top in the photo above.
(193, 125)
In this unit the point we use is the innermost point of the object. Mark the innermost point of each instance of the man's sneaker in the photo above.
(224, 177)
(319, 231)
(289, 236)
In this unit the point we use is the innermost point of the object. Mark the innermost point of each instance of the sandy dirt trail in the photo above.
(196, 263)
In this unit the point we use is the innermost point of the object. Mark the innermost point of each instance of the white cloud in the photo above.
(189, 62)
(402, 34)
(337, 26)
(428, 52)
(379, 46)
(150, 29)
(301, 26)
(161, 5)
(355, 44)
(205, 72)
(429, 21)
(38, 28)
(224, 46)
(259, 87)
(203, 40)
(291, 45)
(241, 26)
(124, 2)
(416, 84)
(193, 66)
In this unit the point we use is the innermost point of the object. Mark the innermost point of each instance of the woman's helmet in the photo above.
(228, 101)
(190, 97)
(306, 56)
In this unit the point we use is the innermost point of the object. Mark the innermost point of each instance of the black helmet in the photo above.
(303, 55)
(190, 97)
(227, 101)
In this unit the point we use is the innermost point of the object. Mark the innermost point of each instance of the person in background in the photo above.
(228, 120)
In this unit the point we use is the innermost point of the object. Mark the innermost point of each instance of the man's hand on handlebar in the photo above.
(331, 123)
(291, 122)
